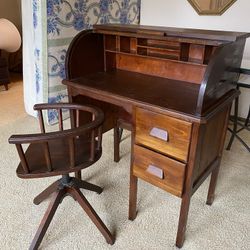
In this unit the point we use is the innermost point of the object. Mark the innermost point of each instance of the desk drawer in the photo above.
(162, 133)
(159, 170)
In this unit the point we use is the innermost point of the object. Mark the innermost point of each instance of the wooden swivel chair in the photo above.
(60, 153)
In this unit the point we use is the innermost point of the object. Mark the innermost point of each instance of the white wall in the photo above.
(179, 13)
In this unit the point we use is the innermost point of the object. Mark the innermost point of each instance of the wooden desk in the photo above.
(173, 88)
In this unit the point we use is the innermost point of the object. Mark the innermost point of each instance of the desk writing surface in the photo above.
(139, 88)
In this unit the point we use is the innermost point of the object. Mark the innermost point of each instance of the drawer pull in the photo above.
(155, 171)
(159, 133)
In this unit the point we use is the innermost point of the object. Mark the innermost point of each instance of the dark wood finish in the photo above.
(145, 89)
(60, 153)
(46, 193)
(55, 201)
(133, 184)
(178, 132)
(173, 89)
(186, 197)
(173, 171)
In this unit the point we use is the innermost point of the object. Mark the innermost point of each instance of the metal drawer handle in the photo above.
(159, 133)
(158, 172)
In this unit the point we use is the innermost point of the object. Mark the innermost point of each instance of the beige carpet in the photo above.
(224, 225)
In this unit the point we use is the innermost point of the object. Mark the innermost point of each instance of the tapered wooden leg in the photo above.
(46, 193)
(183, 220)
(92, 214)
(132, 197)
(78, 175)
(6, 86)
(56, 198)
(116, 144)
(88, 186)
(120, 134)
(212, 185)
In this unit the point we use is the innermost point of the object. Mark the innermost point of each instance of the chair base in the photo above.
(59, 189)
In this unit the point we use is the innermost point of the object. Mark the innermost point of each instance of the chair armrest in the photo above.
(45, 137)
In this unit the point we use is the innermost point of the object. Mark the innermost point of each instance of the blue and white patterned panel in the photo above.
(66, 18)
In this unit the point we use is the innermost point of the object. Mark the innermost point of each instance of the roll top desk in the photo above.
(173, 88)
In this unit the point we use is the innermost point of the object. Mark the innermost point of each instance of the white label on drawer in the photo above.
(159, 133)
(155, 171)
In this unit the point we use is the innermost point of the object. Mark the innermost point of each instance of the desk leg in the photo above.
(196, 140)
(116, 144)
(132, 196)
(185, 203)
(212, 185)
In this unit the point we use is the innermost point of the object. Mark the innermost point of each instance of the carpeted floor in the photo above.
(224, 225)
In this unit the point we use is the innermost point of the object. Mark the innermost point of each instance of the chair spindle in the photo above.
(60, 119)
(72, 120)
(99, 145)
(77, 118)
(92, 146)
(47, 156)
(41, 122)
(72, 152)
(24, 162)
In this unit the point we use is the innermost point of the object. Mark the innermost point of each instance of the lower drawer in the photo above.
(159, 170)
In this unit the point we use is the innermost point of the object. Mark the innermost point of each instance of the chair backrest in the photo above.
(90, 132)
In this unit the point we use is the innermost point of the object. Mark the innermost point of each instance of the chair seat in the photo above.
(60, 159)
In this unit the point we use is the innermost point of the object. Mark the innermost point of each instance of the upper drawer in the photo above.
(162, 133)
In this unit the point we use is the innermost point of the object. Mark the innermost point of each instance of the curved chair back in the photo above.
(63, 151)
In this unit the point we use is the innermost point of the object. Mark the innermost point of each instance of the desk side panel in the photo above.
(211, 143)
(221, 75)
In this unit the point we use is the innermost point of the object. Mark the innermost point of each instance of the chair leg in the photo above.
(46, 193)
(6, 86)
(56, 199)
(88, 186)
(92, 214)
(78, 175)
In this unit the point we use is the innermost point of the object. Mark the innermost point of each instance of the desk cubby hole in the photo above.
(110, 43)
(159, 48)
(200, 54)
(110, 61)
(125, 44)
(209, 50)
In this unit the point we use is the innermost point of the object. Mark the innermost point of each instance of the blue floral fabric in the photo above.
(66, 18)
